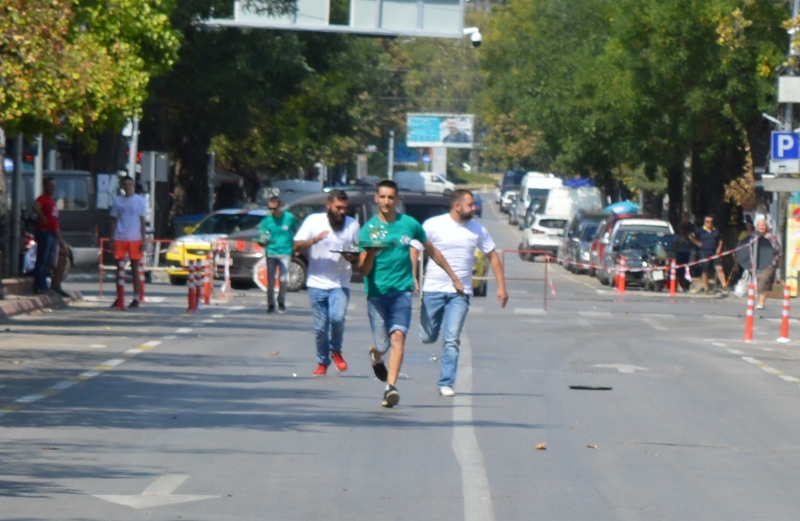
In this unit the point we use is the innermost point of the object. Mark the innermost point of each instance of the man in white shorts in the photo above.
(456, 235)
(326, 235)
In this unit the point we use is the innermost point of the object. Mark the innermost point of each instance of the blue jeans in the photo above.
(448, 310)
(387, 314)
(272, 264)
(45, 248)
(330, 308)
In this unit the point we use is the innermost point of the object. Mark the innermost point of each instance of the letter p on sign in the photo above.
(785, 146)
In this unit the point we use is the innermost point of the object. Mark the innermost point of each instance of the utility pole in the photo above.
(16, 205)
(37, 167)
(212, 165)
(133, 149)
(390, 163)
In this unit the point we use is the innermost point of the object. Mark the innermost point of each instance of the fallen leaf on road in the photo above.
(591, 446)
(274, 353)
(541, 446)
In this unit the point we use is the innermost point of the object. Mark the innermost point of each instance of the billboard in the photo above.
(439, 130)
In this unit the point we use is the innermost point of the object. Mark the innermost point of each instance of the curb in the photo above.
(28, 304)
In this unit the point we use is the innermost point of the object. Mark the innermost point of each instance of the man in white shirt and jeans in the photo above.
(326, 235)
(456, 235)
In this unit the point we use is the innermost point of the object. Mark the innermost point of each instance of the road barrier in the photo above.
(748, 321)
(673, 279)
(548, 283)
(785, 315)
(121, 285)
(153, 253)
(192, 292)
(621, 274)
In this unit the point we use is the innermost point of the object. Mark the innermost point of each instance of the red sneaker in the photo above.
(321, 370)
(341, 365)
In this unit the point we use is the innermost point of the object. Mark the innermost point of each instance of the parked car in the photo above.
(478, 204)
(600, 241)
(506, 199)
(647, 254)
(200, 240)
(573, 250)
(424, 183)
(533, 190)
(544, 235)
(607, 268)
(511, 181)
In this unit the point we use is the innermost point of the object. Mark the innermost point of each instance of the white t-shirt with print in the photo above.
(328, 270)
(457, 242)
(128, 211)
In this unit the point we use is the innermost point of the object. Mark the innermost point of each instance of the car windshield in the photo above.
(641, 240)
(228, 223)
(589, 232)
(424, 211)
(301, 211)
(538, 193)
(552, 223)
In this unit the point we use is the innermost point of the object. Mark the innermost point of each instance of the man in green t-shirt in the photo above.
(385, 264)
(277, 232)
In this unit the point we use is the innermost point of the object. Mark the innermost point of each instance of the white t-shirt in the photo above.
(128, 212)
(457, 242)
(328, 270)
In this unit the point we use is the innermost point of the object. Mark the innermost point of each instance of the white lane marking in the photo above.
(66, 384)
(209, 321)
(735, 352)
(583, 322)
(474, 481)
(778, 320)
(594, 313)
(97, 346)
(751, 360)
(655, 325)
(771, 370)
(217, 316)
(715, 317)
(661, 315)
(29, 399)
(183, 330)
(719, 344)
(529, 311)
(169, 337)
(160, 493)
(152, 343)
(475, 309)
(789, 378)
(113, 362)
(89, 374)
(623, 368)
(517, 291)
(155, 300)
(352, 307)
(236, 308)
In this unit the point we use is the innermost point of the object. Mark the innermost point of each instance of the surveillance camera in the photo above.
(476, 39)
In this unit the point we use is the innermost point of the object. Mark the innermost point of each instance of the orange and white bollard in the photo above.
(748, 322)
(141, 283)
(121, 285)
(192, 291)
(785, 319)
(621, 276)
(673, 280)
(207, 281)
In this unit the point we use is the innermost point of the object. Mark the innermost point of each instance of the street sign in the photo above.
(426, 158)
(785, 153)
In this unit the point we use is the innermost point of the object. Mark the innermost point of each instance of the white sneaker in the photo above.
(447, 391)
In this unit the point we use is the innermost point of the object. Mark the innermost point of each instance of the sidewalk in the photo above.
(19, 298)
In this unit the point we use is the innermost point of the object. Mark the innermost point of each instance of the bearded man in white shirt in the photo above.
(455, 235)
(329, 236)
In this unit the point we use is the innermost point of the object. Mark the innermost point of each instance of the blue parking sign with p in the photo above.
(785, 145)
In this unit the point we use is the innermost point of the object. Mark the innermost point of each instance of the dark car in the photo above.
(478, 204)
(647, 255)
(246, 253)
(575, 253)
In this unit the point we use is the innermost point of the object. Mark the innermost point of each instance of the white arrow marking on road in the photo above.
(158, 494)
(623, 368)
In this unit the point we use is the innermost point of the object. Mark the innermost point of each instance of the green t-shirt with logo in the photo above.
(392, 271)
(279, 233)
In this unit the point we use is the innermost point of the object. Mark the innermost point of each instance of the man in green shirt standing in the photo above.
(277, 231)
(385, 264)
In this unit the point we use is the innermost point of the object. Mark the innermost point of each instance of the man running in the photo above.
(327, 235)
(128, 230)
(389, 282)
(277, 231)
(456, 235)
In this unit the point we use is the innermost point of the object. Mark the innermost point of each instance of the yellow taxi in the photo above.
(199, 240)
(480, 268)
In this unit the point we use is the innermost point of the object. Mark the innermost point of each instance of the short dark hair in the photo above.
(274, 199)
(386, 183)
(48, 179)
(337, 195)
(458, 195)
(126, 178)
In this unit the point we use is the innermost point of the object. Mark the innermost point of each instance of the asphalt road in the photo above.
(647, 407)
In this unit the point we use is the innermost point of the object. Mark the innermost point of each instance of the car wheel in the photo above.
(447, 193)
(177, 280)
(591, 272)
(242, 284)
(480, 291)
(658, 287)
(602, 278)
(297, 275)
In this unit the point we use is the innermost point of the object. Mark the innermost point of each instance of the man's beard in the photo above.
(336, 222)
(465, 216)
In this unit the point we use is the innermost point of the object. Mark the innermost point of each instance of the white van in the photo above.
(568, 202)
(534, 186)
(423, 182)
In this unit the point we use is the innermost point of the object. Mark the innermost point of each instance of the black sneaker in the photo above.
(391, 397)
(270, 309)
(61, 293)
(113, 304)
(380, 371)
(281, 309)
(134, 304)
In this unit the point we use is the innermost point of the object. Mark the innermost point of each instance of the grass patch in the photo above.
(461, 177)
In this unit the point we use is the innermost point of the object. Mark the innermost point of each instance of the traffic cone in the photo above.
(673, 281)
(621, 276)
(192, 291)
(141, 283)
(207, 281)
(748, 322)
(121, 285)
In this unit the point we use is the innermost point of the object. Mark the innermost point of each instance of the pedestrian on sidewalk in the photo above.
(765, 276)
(456, 235)
(328, 236)
(709, 243)
(385, 264)
(277, 232)
(128, 231)
(48, 231)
